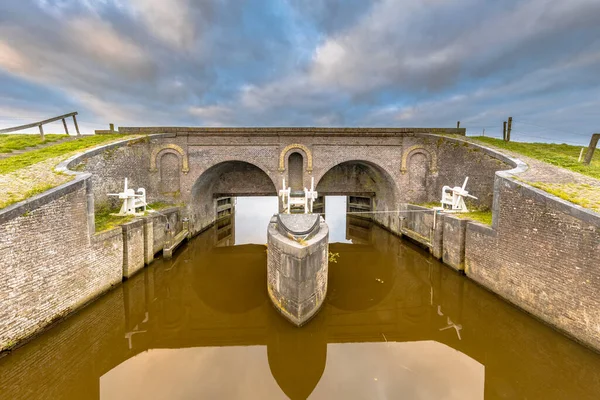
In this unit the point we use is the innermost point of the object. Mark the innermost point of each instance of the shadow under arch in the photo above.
(228, 178)
(360, 177)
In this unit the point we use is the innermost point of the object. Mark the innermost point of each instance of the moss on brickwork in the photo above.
(483, 216)
(479, 215)
(104, 220)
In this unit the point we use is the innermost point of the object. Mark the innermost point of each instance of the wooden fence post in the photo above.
(65, 125)
(41, 131)
(592, 147)
(457, 124)
(508, 129)
(504, 132)
(76, 126)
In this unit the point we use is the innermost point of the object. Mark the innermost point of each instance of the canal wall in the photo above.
(52, 262)
(541, 253)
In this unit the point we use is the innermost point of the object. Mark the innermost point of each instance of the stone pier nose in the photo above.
(297, 265)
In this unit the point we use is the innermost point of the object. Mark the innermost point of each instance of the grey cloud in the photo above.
(380, 63)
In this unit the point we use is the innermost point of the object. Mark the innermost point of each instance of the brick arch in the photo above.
(306, 150)
(380, 180)
(225, 178)
(431, 158)
(170, 148)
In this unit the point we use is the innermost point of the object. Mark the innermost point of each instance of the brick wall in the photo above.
(133, 247)
(49, 264)
(453, 247)
(543, 255)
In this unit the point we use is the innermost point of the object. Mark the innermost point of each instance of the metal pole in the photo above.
(76, 126)
(65, 125)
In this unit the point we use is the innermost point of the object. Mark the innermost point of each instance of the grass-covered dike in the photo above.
(10, 142)
(561, 155)
(32, 172)
(29, 158)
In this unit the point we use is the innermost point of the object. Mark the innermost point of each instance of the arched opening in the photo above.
(295, 171)
(226, 179)
(368, 188)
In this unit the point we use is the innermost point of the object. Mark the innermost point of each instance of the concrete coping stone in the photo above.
(132, 224)
(107, 234)
(298, 224)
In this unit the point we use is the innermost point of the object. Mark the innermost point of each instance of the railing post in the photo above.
(592, 147)
(65, 125)
(41, 131)
(76, 126)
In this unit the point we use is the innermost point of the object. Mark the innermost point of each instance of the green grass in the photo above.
(157, 205)
(37, 189)
(561, 155)
(10, 143)
(19, 161)
(105, 221)
(485, 217)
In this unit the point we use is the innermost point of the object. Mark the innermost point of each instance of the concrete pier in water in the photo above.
(297, 265)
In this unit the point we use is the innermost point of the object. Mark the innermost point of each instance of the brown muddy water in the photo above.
(397, 324)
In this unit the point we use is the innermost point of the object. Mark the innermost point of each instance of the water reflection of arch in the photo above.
(361, 278)
(231, 280)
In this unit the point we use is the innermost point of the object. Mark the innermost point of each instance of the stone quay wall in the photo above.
(49, 263)
(52, 262)
(541, 253)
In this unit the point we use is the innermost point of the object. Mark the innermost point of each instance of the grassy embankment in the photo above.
(66, 149)
(10, 143)
(25, 175)
(561, 155)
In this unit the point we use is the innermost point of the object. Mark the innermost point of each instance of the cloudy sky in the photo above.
(306, 63)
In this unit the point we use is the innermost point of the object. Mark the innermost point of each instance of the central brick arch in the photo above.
(365, 179)
(225, 179)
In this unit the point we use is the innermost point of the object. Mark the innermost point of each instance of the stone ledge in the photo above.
(108, 234)
(283, 131)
